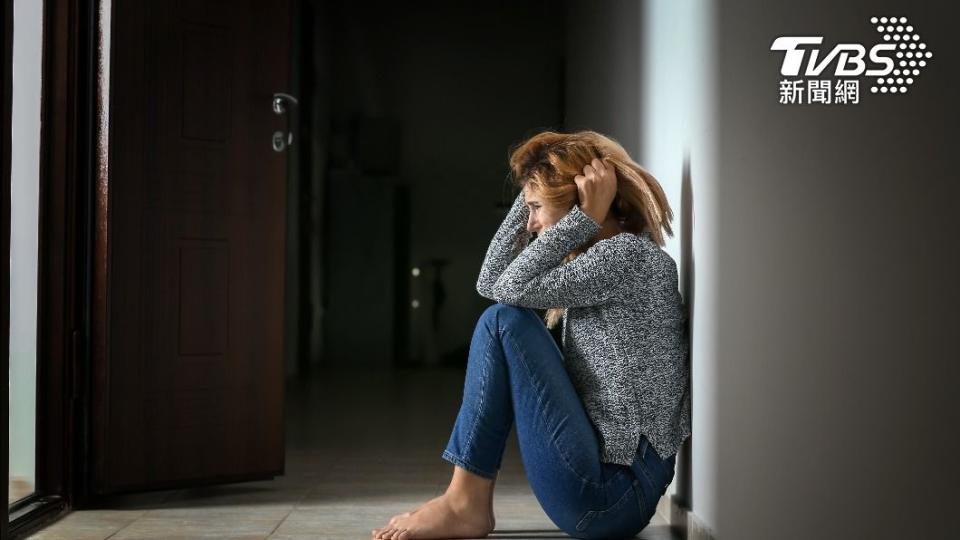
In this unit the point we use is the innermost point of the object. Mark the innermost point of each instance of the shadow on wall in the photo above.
(688, 281)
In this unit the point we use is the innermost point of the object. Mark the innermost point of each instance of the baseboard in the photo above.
(683, 521)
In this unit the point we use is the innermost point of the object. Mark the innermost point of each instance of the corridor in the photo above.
(361, 447)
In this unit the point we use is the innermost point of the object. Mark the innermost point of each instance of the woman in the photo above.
(600, 423)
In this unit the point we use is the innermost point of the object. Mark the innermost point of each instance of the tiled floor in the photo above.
(361, 447)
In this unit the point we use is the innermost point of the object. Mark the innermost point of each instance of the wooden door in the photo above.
(188, 296)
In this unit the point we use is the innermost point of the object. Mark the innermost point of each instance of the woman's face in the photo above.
(542, 215)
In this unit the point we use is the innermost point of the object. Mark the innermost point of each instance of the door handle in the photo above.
(280, 103)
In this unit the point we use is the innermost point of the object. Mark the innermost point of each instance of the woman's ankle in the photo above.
(468, 491)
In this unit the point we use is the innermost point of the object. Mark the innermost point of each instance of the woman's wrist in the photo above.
(594, 214)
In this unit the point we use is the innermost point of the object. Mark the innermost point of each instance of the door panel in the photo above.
(188, 385)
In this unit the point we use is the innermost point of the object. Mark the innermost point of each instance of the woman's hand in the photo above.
(597, 187)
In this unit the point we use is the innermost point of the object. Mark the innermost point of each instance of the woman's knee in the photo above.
(505, 313)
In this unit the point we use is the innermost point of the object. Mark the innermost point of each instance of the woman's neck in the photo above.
(611, 227)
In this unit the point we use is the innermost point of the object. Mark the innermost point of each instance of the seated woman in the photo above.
(599, 424)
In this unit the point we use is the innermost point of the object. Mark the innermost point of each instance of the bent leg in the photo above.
(516, 372)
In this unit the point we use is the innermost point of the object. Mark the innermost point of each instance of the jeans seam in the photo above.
(483, 385)
(638, 489)
(653, 484)
(618, 503)
(560, 451)
(614, 508)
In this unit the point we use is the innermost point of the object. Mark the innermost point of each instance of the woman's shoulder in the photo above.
(628, 243)
(641, 253)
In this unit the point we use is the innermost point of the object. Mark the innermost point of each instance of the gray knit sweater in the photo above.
(624, 330)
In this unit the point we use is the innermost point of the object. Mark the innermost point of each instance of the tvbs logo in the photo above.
(848, 56)
(895, 62)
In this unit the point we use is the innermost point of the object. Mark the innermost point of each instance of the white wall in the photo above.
(678, 131)
(25, 191)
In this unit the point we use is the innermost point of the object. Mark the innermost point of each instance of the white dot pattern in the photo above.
(895, 29)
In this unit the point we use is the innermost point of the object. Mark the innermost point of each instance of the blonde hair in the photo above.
(549, 161)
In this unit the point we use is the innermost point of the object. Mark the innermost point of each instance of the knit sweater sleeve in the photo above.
(509, 240)
(535, 277)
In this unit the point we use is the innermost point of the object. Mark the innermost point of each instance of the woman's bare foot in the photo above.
(464, 511)
(446, 516)
(409, 513)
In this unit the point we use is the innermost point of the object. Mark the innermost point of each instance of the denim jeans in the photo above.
(515, 371)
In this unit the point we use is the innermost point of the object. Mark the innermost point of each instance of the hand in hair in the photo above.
(597, 187)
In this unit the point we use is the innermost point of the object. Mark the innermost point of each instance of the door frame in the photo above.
(67, 171)
(6, 36)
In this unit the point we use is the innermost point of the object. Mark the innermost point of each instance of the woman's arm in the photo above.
(509, 240)
(535, 278)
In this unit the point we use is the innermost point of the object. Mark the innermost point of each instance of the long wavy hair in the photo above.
(549, 161)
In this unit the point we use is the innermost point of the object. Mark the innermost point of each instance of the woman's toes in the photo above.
(394, 519)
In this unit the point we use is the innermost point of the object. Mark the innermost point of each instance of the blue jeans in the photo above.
(515, 371)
